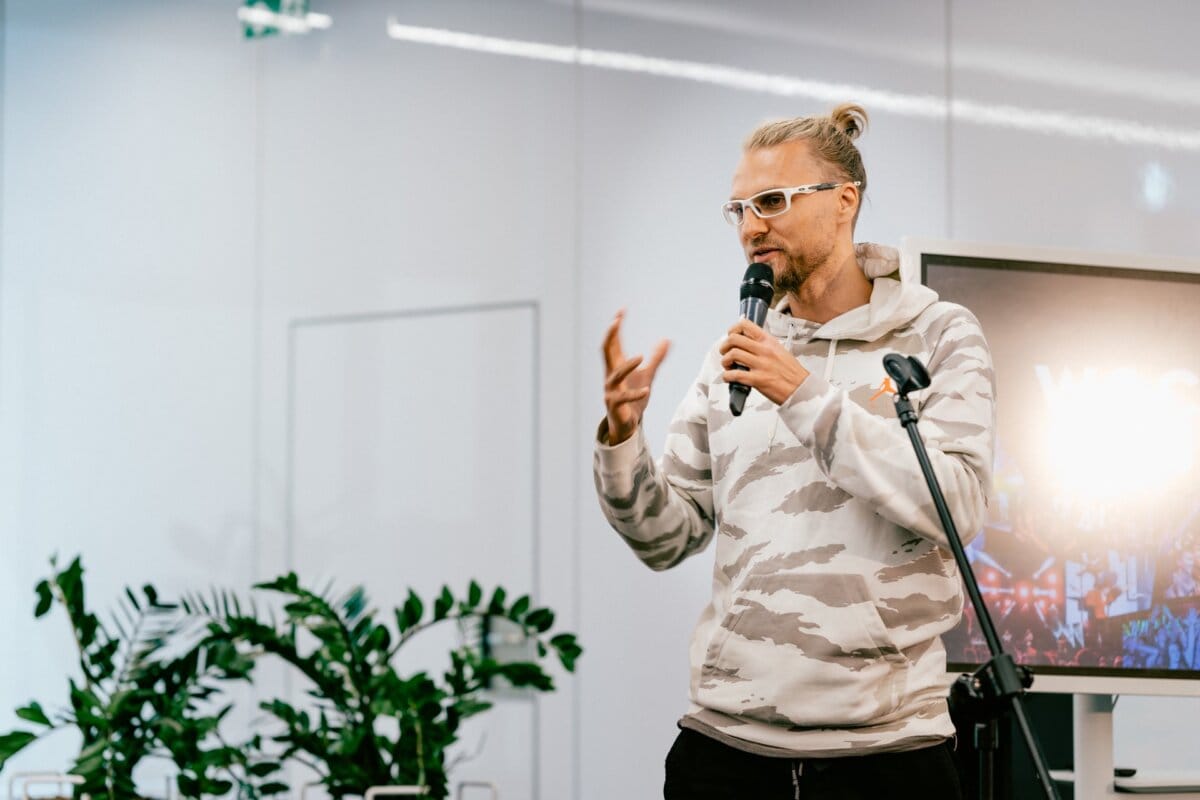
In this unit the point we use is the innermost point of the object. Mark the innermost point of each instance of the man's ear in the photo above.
(849, 199)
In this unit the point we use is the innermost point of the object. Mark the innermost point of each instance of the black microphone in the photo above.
(758, 287)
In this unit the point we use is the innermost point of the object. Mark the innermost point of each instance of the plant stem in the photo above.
(420, 733)
(61, 597)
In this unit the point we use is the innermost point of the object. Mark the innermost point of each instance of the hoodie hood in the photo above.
(893, 303)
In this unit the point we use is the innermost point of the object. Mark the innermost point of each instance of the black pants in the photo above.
(700, 768)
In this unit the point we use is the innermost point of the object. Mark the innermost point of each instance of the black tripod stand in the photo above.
(999, 685)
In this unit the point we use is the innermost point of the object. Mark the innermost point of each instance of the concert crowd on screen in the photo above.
(1081, 584)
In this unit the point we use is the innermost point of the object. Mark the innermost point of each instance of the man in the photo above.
(816, 669)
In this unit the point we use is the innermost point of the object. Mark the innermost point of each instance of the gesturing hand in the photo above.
(770, 368)
(626, 383)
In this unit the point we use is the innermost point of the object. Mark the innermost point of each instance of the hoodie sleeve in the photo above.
(663, 511)
(872, 458)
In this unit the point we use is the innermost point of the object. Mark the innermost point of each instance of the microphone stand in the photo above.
(999, 685)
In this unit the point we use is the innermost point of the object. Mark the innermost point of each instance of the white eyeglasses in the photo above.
(773, 202)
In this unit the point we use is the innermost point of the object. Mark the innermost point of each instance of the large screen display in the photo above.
(1090, 558)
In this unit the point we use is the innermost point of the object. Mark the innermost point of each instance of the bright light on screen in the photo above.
(1090, 559)
(1093, 467)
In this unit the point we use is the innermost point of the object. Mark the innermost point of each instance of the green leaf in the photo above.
(88, 624)
(34, 713)
(13, 743)
(88, 709)
(188, 786)
(414, 609)
(540, 619)
(469, 707)
(355, 602)
(443, 604)
(521, 673)
(402, 623)
(285, 584)
(217, 787)
(519, 608)
(70, 580)
(474, 596)
(496, 605)
(568, 650)
(45, 599)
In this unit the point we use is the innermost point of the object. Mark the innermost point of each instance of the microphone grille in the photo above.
(758, 282)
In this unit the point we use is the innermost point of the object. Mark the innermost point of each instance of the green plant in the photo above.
(134, 699)
(367, 725)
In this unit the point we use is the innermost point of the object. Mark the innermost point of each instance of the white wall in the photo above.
(193, 225)
(127, 314)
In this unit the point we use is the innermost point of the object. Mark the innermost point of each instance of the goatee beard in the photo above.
(790, 279)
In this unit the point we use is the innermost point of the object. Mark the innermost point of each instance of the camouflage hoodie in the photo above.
(832, 581)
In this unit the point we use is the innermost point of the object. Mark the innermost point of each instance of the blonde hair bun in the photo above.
(850, 119)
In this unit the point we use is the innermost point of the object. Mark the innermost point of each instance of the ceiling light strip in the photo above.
(914, 105)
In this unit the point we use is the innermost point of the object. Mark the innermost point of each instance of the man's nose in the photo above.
(753, 226)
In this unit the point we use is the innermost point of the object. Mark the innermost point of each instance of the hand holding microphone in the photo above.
(752, 358)
(758, 287)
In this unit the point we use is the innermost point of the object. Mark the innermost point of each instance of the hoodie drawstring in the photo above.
(829, 360)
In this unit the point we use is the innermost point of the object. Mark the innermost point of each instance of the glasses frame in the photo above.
(732, 217)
